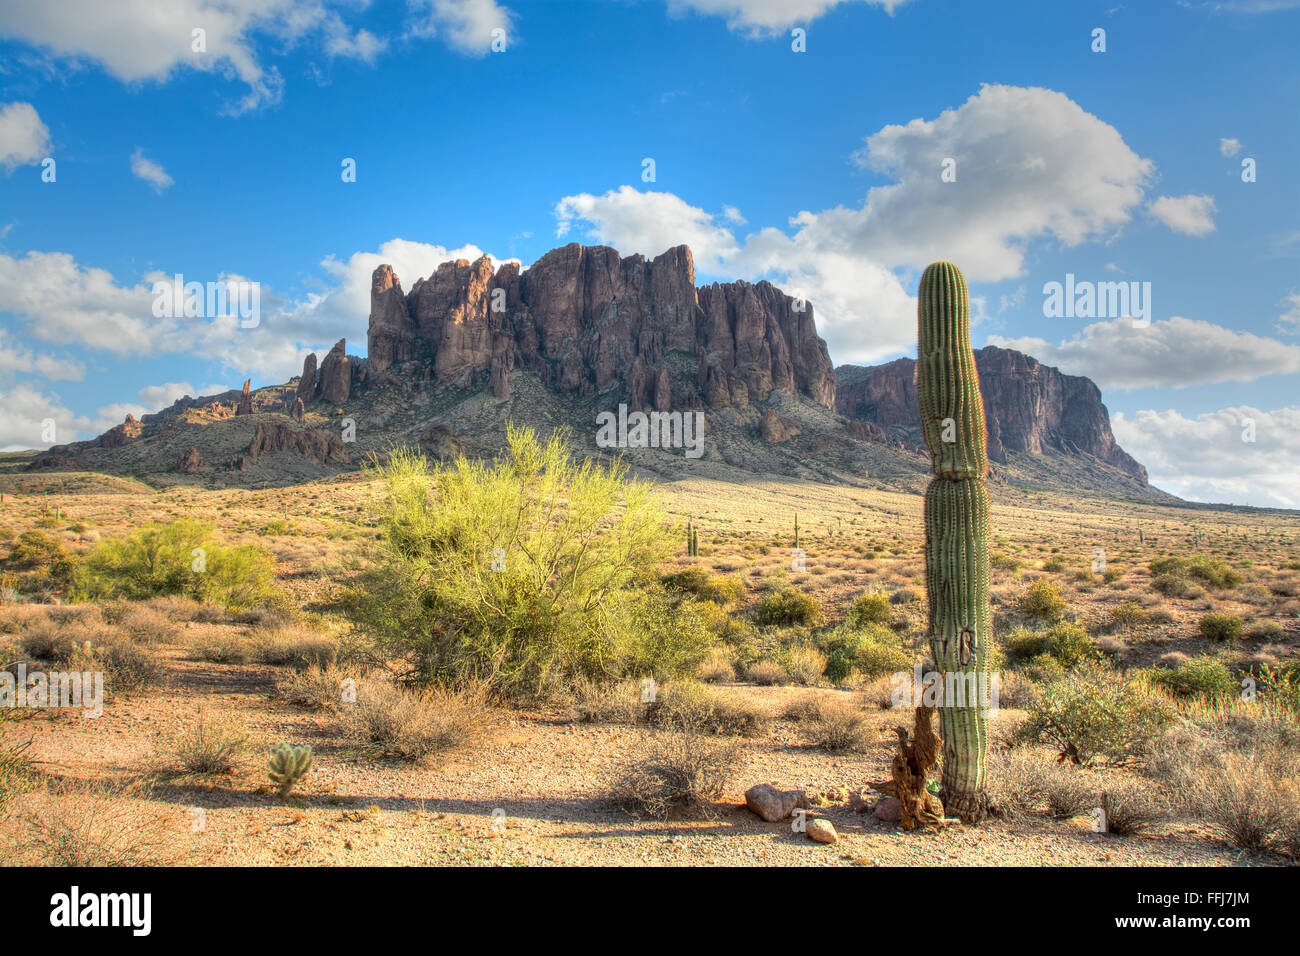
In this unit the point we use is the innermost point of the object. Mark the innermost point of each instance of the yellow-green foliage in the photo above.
(180, 557)
(871, 607)
(788, 606)
(1042, 601)
(525, 573)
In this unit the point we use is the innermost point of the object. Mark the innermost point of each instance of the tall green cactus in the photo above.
(956, 530)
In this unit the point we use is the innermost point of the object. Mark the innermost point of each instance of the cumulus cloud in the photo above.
(144, 168)
(17, 359)
(1206, 459)
(28, 416)
(766, 17)
(1191, 215)
(1172, 353)
(24, 139)
(649, 223)
(1229, 147)
(1031, 166)
(466, 25)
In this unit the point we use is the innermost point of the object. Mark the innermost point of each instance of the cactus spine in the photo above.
(956, 531)
(288, 765)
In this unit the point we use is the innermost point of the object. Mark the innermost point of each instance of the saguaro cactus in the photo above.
(956, 532)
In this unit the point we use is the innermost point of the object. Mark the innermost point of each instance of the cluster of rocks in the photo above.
(587, 320)
(773, 804)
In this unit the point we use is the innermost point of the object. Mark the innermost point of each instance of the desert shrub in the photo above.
(622, 702)
(1128, 808)
(1025, 643)
(788, 606)
(723, 590)
(182, 557)
(1005, 562)
(143, 623)
(15, 768)
(904, 596)
(575, 592)
(873, 651)
(1247, 798)
(1214, 572)
(221, 647)
(35, 550)
(1206, 677)
(413, 725)
(1112, 574)
(870, 607)
(1220, 627)
(1042, 601)
(878, 659)
(1054, 565)
(678, 772)
(689, 706)
(128, 667)
(717, 667)
(315, 687)
(1067, 792)
(767, 673)
(293, 645)
(805, 665)
(1263, 630)
(1093, 711)
(839, 725)
(1170, 584)
(205, 748)
(96, 825)
(1022, 780)
(1070, 642)
(803, 708)
(1128, 614)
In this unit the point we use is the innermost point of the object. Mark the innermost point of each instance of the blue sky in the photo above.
(820, 170)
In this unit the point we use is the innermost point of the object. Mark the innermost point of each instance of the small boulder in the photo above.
(772, 804)
(889, 809)
(821, 831)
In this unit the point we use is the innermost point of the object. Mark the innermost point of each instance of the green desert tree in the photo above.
(525, 573)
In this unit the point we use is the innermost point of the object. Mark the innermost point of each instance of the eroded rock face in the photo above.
(776, 429)
(315, 445)
(307, 383)
(335, 383)
(119, 435)
(190, 462)
(245, 406)
(1029, 407)
(587, 320)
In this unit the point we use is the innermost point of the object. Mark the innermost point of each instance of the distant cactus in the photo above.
(956, 527)
(288, 765)
(796, 529)
(692, 540)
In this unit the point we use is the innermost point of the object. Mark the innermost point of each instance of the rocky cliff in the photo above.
(1029, 407)
(586, 320)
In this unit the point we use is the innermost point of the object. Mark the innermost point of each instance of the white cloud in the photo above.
(363, 45)
(466, 25)
(1172, 353)
(1205, 458)
(1289, 321)
(1229, 147)
(1191, 215)
(1031, 165)
(19, 360)
(649, 223)
(24, 139)
(144, 168)
(26, 411)
(766, 17)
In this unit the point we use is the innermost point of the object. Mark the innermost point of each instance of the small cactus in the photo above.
(288, 765)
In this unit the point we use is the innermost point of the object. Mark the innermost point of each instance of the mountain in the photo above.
(580, 333)
(1029, 407)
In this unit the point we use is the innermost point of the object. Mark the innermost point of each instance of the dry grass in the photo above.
(96, 825)
(415, 725)
(678, 772)
(207, 748)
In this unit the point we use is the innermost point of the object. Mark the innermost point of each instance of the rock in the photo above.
(118, 435)
(1028, 407)
(772, 804)
(583, 317)
(889, 809)
(307, 382)
(190, 462)
(297, 412)
(776, 429)
(821, 831)
(336, 375)
(857, 803)
(314, 445)
(245, 400)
